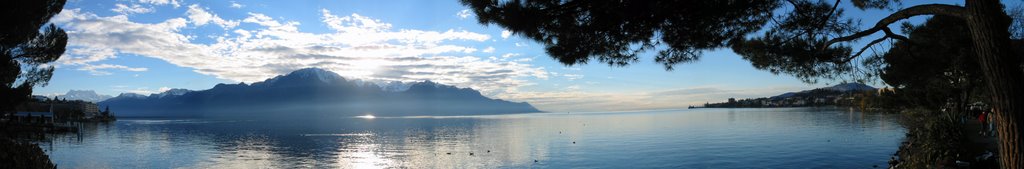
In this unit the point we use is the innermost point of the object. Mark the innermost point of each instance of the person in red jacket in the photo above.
(983, 118)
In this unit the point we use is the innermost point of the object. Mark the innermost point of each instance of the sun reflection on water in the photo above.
(368, 116)
(364, 154)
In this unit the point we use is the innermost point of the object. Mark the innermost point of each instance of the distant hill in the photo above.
(848, 87)
(836, 95)
(839, 88)
(84, 95)
(314, 92)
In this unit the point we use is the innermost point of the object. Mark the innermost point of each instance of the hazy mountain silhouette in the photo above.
(314, 92)
(839, 88)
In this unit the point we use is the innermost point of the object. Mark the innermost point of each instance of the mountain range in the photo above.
(84, 95)
(314, 92)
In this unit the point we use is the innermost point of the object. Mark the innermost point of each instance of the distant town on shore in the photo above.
(45, 110)
(845, 94)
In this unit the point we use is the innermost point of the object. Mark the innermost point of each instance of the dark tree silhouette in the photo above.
(934, 68)
(25, 50)
(935, 64)
(809, 39)
(615, 32)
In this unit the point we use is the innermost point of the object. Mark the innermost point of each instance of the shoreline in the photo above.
(22, 153)
(17, 147)
(931, 142)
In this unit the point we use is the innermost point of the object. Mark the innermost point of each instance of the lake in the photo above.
(693, 138)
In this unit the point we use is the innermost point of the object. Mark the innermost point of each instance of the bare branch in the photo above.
(862, 49)
(890, 34)
(830, 14)
(929, 9)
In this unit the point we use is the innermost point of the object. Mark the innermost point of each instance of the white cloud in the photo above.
(98, 69)
(572, 77)
(508, 55)
(505, 34)
(81, 56)
(262, 20)
(271, 24)
(489, 49)
(133, 9)
(199, 16)
(236, 5)
(163, 89)
(360, 47)
(353, 23)
(520, 44)
(463, 14)
(174, 3)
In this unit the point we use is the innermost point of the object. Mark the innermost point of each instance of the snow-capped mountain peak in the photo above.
(316, 73)
(85, 95)
(395, 86)
(172, 92)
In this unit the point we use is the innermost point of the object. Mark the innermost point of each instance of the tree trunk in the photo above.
(989, 30)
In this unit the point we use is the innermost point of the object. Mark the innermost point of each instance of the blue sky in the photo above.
(147, 46)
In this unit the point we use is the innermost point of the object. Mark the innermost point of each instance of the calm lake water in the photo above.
(696, 138)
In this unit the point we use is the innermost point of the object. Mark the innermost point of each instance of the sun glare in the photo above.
(368, 116)
(365, 68)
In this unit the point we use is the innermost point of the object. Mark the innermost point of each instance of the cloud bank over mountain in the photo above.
(259, 46)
